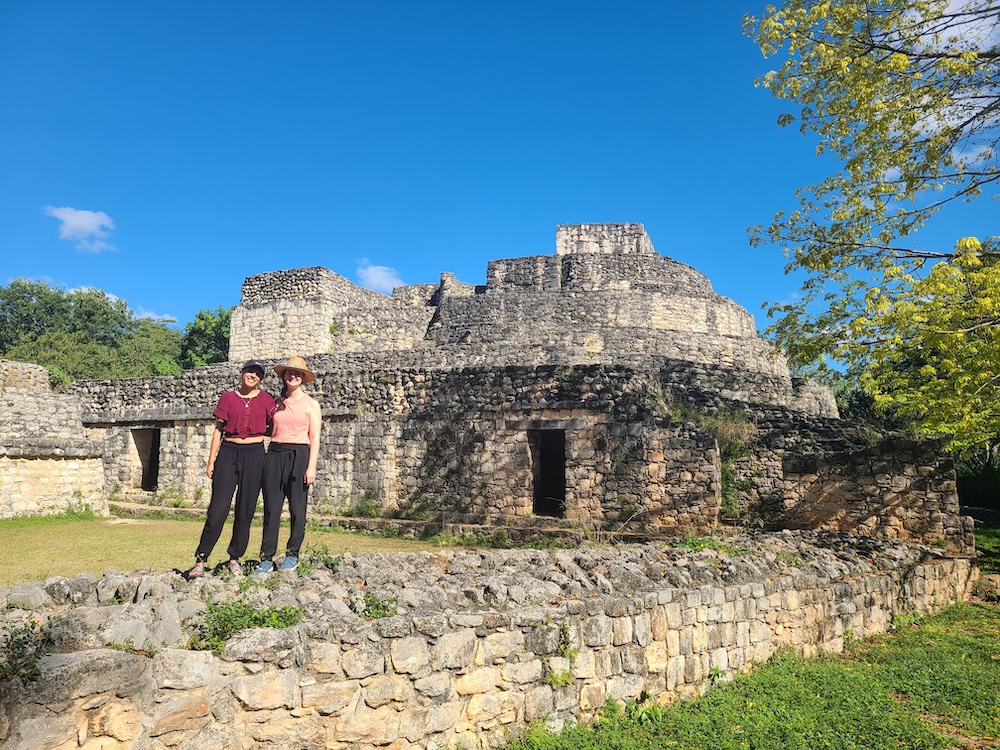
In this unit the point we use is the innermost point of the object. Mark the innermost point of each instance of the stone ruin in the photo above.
(597, 391)
(588, 390)
(479, 643)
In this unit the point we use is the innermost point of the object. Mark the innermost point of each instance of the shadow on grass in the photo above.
(988, 548)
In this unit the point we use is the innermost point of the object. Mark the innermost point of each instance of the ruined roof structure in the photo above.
(603, 388)
(605, 296)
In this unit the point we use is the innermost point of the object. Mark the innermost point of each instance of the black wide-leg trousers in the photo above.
(284, 476)
(238, 468)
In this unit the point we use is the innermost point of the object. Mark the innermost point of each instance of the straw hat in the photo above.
(296, 363)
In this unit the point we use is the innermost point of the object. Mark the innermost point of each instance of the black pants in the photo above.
(238, 468)
(284, 476)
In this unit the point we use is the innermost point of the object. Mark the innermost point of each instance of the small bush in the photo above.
(697, 544)
(219, 622)
(318, 556)
(376, 608)
(24, 646)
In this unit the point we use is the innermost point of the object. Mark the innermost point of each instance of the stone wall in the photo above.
(464, 442)
(309, 311)
(30, 377)
(603, 238)
(47, 462)
(605, 296)
(483, 642)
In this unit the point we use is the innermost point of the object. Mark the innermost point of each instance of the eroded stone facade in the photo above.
(47, 463)
(578, 386)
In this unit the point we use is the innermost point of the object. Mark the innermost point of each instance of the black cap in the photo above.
(255, 364)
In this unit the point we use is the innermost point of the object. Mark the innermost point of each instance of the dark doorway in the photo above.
(548, 469)
(147, 445)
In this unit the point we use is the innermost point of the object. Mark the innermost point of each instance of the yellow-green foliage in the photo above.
(904, 95)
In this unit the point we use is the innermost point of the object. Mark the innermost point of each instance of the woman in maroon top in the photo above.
(235, 464)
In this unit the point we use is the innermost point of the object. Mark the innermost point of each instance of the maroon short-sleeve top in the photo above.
(243, 417)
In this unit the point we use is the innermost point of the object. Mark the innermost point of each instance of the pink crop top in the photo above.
(291, 423)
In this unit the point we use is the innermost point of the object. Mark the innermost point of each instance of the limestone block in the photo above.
(538, 703)
(119, 719)
(180, 669)
(454, 650)
(489, 709)
(409, 655)
(520, 673)
(68, 676)
(267, 690)
(323, 657)
(28, 596)
(443, 716)
(498, 646)
(477, 681)
(434, 685)
(379, 726)
(272, 645)
(329, 697)
(656, 656)
(364, 661)
(385, 689)
(180, 714)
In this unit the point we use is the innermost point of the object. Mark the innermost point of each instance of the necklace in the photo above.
(246, 399)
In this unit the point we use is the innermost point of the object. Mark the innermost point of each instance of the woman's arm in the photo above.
(213, 451)
(315, 424)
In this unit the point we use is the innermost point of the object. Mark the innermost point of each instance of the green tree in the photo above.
(83, 333)
(100, 316)
(152, 349)
(906, 96)
(67, 357)
(29, 309)
(206, 338)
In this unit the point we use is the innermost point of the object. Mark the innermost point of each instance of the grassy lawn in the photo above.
(931, 683)
(988, 549)
(65, 545)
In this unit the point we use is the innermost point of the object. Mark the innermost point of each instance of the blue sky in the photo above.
(163, 152)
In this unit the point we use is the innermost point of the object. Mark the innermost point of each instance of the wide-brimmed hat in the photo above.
(255, 364)
(296, 363)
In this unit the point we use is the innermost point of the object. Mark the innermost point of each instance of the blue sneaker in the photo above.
(289, 562)
(264, 566)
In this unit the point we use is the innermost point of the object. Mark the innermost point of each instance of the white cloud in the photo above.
(89, 228)
(379, 278)
(142, 313)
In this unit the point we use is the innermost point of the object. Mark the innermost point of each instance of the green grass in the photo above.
(77, 543)
(928, 685)
(988, 547)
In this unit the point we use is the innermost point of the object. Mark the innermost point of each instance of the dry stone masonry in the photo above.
(482, 643)
(578, 386)
(47, 461)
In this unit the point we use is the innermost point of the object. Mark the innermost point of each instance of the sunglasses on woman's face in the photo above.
(294, 374)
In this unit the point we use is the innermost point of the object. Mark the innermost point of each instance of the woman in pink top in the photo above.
(290, 466)
(235, 464)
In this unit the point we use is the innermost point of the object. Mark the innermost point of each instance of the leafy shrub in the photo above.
(24, 646)
(318, 556)
(376, 608)
(219, 622)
